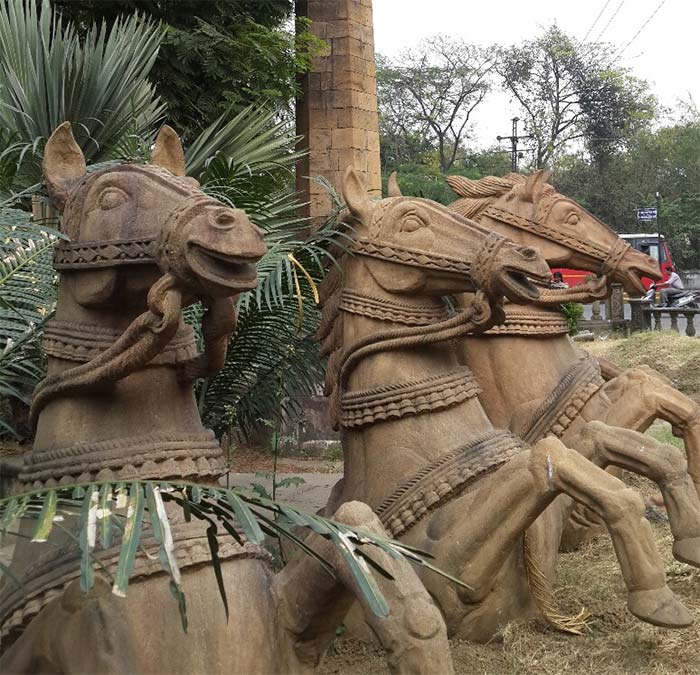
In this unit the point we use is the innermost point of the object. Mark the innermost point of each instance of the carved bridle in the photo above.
(77, 255)
(480, 270)
(609, 258)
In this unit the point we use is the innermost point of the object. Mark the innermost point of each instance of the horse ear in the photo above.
(63, 164)
(534, 184)
(355, 194)
(168, 152)
(393, 188)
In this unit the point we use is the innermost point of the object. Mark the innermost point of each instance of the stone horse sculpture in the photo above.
(418, 446)
(118, 404)
(536, 381)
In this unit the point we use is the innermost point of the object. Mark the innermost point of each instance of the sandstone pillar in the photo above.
(337, 114)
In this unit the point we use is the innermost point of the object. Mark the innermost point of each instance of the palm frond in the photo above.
(89, 508)
(48, 75)
(27, 300)
(272, 360)
(252, 143)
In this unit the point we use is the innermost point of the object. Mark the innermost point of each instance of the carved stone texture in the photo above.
(441, 476)
(337, 114)
(537, 384)
(118, 404)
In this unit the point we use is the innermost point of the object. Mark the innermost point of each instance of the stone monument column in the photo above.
(337, 114)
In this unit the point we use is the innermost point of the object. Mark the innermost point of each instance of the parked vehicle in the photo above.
(646, 243)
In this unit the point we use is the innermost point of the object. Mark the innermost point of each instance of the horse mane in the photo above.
(476, 195)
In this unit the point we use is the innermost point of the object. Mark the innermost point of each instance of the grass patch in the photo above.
(673, 355)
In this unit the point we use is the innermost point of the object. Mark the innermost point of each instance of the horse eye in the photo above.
(573, 219)
(111, 198)
(411, 223)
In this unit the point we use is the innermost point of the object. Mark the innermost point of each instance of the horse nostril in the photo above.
(528, 253)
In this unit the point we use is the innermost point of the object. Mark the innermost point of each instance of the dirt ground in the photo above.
(615, 641)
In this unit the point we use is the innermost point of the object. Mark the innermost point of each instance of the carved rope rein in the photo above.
(146, 336)
(472, 319)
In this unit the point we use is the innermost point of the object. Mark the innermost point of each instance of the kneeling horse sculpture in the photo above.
(418, 446)
(118, 404)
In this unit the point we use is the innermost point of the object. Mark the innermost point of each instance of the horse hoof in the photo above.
(687, 551)
(659, 607)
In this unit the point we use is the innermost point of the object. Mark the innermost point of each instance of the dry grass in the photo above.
(673, 355)
(616, 641)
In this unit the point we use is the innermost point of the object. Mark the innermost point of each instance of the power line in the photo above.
(588, 32)
(644, 25)
(610, 20)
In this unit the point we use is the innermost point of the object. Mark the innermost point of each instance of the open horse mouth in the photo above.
(634, 276)
(518, 287)
(225, 270)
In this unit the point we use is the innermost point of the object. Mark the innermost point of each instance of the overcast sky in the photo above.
(666, 53)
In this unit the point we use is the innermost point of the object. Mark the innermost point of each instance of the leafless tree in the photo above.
(430, 92)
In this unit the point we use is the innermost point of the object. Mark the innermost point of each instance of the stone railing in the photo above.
(647, 317)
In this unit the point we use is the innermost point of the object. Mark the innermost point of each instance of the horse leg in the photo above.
(413, 635)
(508, 501)
(663, 464)
(640, 395)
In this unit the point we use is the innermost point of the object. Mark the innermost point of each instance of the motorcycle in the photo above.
(689, 299)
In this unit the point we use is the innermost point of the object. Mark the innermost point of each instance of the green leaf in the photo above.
(130, 540)
(361, 572)
(106, 506)
(181, 604)
(214, 549)
(88, 535)
(290, 481)
(245, 517)
(162, 532)
(9, 511)
(48, 512)
(4, 569)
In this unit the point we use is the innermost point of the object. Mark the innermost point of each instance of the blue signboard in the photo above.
(646, 214)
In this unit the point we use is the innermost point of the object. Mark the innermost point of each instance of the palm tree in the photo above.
(49, 75)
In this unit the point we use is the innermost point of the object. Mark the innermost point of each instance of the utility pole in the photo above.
(658, 224)
(513, 138)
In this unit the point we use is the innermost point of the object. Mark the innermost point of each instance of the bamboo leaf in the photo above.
(130, 540)
(48, 512)
(245, 518)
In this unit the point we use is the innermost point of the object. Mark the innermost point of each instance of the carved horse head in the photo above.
(531, 212)
(143, 238)
(134, 215)
(417, 246)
